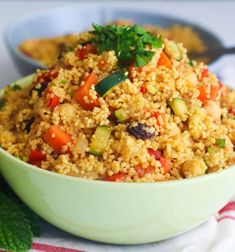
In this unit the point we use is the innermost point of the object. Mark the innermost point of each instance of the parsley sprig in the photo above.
(128, 42)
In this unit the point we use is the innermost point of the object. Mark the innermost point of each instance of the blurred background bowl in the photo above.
(72, 19)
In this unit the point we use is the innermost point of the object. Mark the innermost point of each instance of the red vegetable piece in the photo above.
(156, 153)
(115, 177)
(142, 171)
(83, 52)
(143, 89)
(53, 102)
(166, 164)
(231, 111)
(204, 73)
(36, 157)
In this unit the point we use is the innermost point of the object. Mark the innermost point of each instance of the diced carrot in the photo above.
(213, 93)
(36, 157)
(202, 96)
(166, 164)
(143, 171)
(164, 61)
(204, 73)
(56, 137)
(82, 93)
(83, 52)
(161, 119)
(143, 89)
(156, 153)
(115, 177)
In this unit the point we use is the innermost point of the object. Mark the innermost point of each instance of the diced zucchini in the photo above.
(109, 82)
(121, 115)
(99, 140)
(175, 50)
(178, 106)
(211, 149)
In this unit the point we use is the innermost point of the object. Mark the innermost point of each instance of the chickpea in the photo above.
(66, 110)
(193, 168)
(213, 109)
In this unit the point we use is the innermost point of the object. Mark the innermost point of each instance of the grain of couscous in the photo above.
(124, 106)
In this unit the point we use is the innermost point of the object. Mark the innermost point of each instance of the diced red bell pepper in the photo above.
(156, 153)
(47, 75)
(143, 89)
(53, 102)
(204, 73)
(115, 177)
(166, 164)
(36, 157)
(142, 171)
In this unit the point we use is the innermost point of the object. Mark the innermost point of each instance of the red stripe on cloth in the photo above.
(51, 248)
(225, 217)
(229, 207)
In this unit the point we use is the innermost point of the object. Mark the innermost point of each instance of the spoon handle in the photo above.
(215, 52)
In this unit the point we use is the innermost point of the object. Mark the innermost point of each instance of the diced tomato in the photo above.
(53, 102)
(143, 171)
(143, 89)
(115, 177)
(166, 164)
(47, 76)
(36, 157)
(83, 92)
(83, 52)
(156, 153)
(204, 73)
(164, 61)
(160, 117)
(56, 137)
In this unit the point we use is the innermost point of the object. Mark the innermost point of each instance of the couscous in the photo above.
(124, 105)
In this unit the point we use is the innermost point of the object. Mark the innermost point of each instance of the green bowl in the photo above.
(121, 213)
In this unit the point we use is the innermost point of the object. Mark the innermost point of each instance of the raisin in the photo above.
(42, 87)
(28, 123)
(140, 130)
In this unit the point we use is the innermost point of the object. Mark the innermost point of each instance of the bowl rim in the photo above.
(25, 81)
(35, 14)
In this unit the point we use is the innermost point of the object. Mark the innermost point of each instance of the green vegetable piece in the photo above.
(2, 103)
(109, 82)
(99, 140)
(15, 231)
(16, 87)
(128, 43)
(191, 63)
(63, 81)
(121, 115)
(211, 149)
(220, 142)
(178, 106)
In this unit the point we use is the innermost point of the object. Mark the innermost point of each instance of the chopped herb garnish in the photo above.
(128, 42)
(2, 103)
(220, 142)
(191, 63)
(64, 81)
(16, 87)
